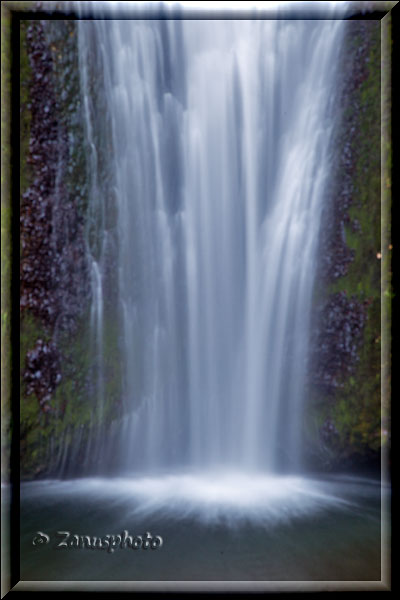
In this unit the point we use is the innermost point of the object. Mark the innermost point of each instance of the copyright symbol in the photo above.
(40, 539)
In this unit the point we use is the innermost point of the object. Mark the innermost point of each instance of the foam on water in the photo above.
(209, 498)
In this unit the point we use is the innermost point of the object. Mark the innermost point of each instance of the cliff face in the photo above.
(342, 425)
(54, 285)
(58, 235)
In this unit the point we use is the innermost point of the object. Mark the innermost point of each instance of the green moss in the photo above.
(112, 362)
(356, 412)
(355, 406)
(70, 405)
(72, 402)
(32, 421)
(5, 298)
(25, 113)
(31, 329)
(363, 277)
(64, 49)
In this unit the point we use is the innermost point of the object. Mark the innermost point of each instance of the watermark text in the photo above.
(67, 541)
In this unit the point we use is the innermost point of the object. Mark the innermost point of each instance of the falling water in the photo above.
(208, 148)
(217, 145)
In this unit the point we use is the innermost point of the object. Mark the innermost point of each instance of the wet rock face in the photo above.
(343, 371)
(335, 255)
(53, 269)
(53, 252)
(335, 347)
(339, 320)
(328, 432)
(43, 372)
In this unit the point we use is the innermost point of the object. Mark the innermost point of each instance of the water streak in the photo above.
(219, 155)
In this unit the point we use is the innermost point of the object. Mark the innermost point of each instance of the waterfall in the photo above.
(207, 185)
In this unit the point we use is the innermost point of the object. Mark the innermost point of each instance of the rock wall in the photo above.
(59, 234)
(342, 422)
(54, 284)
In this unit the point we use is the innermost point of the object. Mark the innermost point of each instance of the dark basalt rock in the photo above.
(335, 345)
(340, 317)
(43, 372)
(54, 279)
